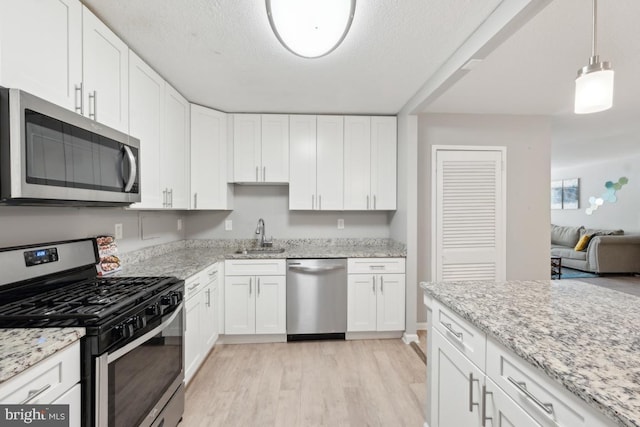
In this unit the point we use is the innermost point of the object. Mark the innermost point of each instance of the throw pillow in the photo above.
(583, 243)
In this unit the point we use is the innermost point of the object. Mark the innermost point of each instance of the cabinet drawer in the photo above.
(258, 267)
(51, 377)
(462, 334)
(210, 273)
(194, 284)
(375, 265)
(546, 401)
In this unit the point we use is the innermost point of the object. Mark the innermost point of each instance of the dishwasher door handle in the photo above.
(305, 269)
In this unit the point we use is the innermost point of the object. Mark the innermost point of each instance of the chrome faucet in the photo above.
(261, 230)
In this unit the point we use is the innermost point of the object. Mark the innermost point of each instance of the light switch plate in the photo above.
(118, 231)
(228, 225)
(340, 224)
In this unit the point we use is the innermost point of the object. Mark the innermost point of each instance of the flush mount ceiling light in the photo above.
(594, 84)
(310, 28)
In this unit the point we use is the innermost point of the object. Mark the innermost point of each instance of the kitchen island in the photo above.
(578, 337)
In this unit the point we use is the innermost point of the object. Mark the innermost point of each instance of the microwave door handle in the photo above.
(133, 169)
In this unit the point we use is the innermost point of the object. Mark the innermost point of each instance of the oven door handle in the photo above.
(135, 343)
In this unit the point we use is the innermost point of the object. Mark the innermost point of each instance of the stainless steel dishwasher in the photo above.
(316, 299)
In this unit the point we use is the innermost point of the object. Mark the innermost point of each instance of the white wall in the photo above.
(528, 142)
(272, 204)
(25, 225)
(624, 213)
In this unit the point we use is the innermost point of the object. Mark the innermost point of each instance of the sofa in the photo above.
(607, 251)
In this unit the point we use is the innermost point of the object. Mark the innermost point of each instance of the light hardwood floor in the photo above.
(320, 383)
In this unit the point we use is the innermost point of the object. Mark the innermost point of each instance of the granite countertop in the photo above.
(22, 348)
(186, 258)
(583, 336)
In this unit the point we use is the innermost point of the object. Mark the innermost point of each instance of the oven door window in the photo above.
(63, 155)
(139, 379)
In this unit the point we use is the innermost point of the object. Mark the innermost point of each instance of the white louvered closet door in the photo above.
(470, 215)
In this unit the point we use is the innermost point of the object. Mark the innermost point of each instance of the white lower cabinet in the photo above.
(54, 380)
(475, 381)
(201, 312)
(375, 302)
(255, 303)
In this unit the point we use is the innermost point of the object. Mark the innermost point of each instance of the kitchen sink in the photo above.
(259, 251)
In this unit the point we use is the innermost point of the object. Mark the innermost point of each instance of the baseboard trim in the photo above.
(251, 339)
(421, 326)
(409, 338)
(373, 335)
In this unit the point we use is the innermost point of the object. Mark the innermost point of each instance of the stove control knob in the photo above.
(175, 298)
(128, 329)
(154, 309)
(140, 321)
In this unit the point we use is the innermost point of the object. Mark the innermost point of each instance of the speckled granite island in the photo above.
(21, 349)
(582, 337)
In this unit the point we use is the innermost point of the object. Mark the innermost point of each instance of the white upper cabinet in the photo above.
(209, 187)
(316, 163)
(146, 101)
(247, 148)
(302, 164)
(105, 74)
(261, 148)
(275, 148)
(357, 163)
(370, 147)
(384, 152)
(330, 164)
(174, 149)
(46, 62)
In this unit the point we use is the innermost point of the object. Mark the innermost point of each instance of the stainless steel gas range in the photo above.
(133, 351)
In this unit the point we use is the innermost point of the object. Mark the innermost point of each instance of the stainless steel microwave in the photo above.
(50, 155)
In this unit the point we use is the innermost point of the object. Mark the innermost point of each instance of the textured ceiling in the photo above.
(534, 71)
(223, 54)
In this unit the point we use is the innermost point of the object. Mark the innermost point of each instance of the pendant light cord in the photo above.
(595, 30)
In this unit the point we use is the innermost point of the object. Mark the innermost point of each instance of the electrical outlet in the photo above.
(118, 231)
(340, 224)
(179, 224)
(228, 225)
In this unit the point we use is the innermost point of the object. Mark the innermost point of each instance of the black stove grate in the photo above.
(86, 301)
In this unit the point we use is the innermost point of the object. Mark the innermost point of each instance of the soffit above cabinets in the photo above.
(223, 54)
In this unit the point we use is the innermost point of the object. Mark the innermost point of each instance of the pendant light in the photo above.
(594, 84)
(310, 28)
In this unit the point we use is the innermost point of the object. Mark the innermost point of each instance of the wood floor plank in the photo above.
(322, 383)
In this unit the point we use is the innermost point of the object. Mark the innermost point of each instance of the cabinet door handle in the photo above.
(313, 201)
(522, 387)
(264, 174)
(320, 202)
(367, 202)
(79, 105)
(208, 297)
(250, 280)
(258, 279)
(257, 179)
(450, 329)
(195, 285)
(471, 402)
(33, 394)
(381, 285)
(373, 288)
(195, 201)
(171, 198)
(484, 406)
(374, 202)
(92, 100)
